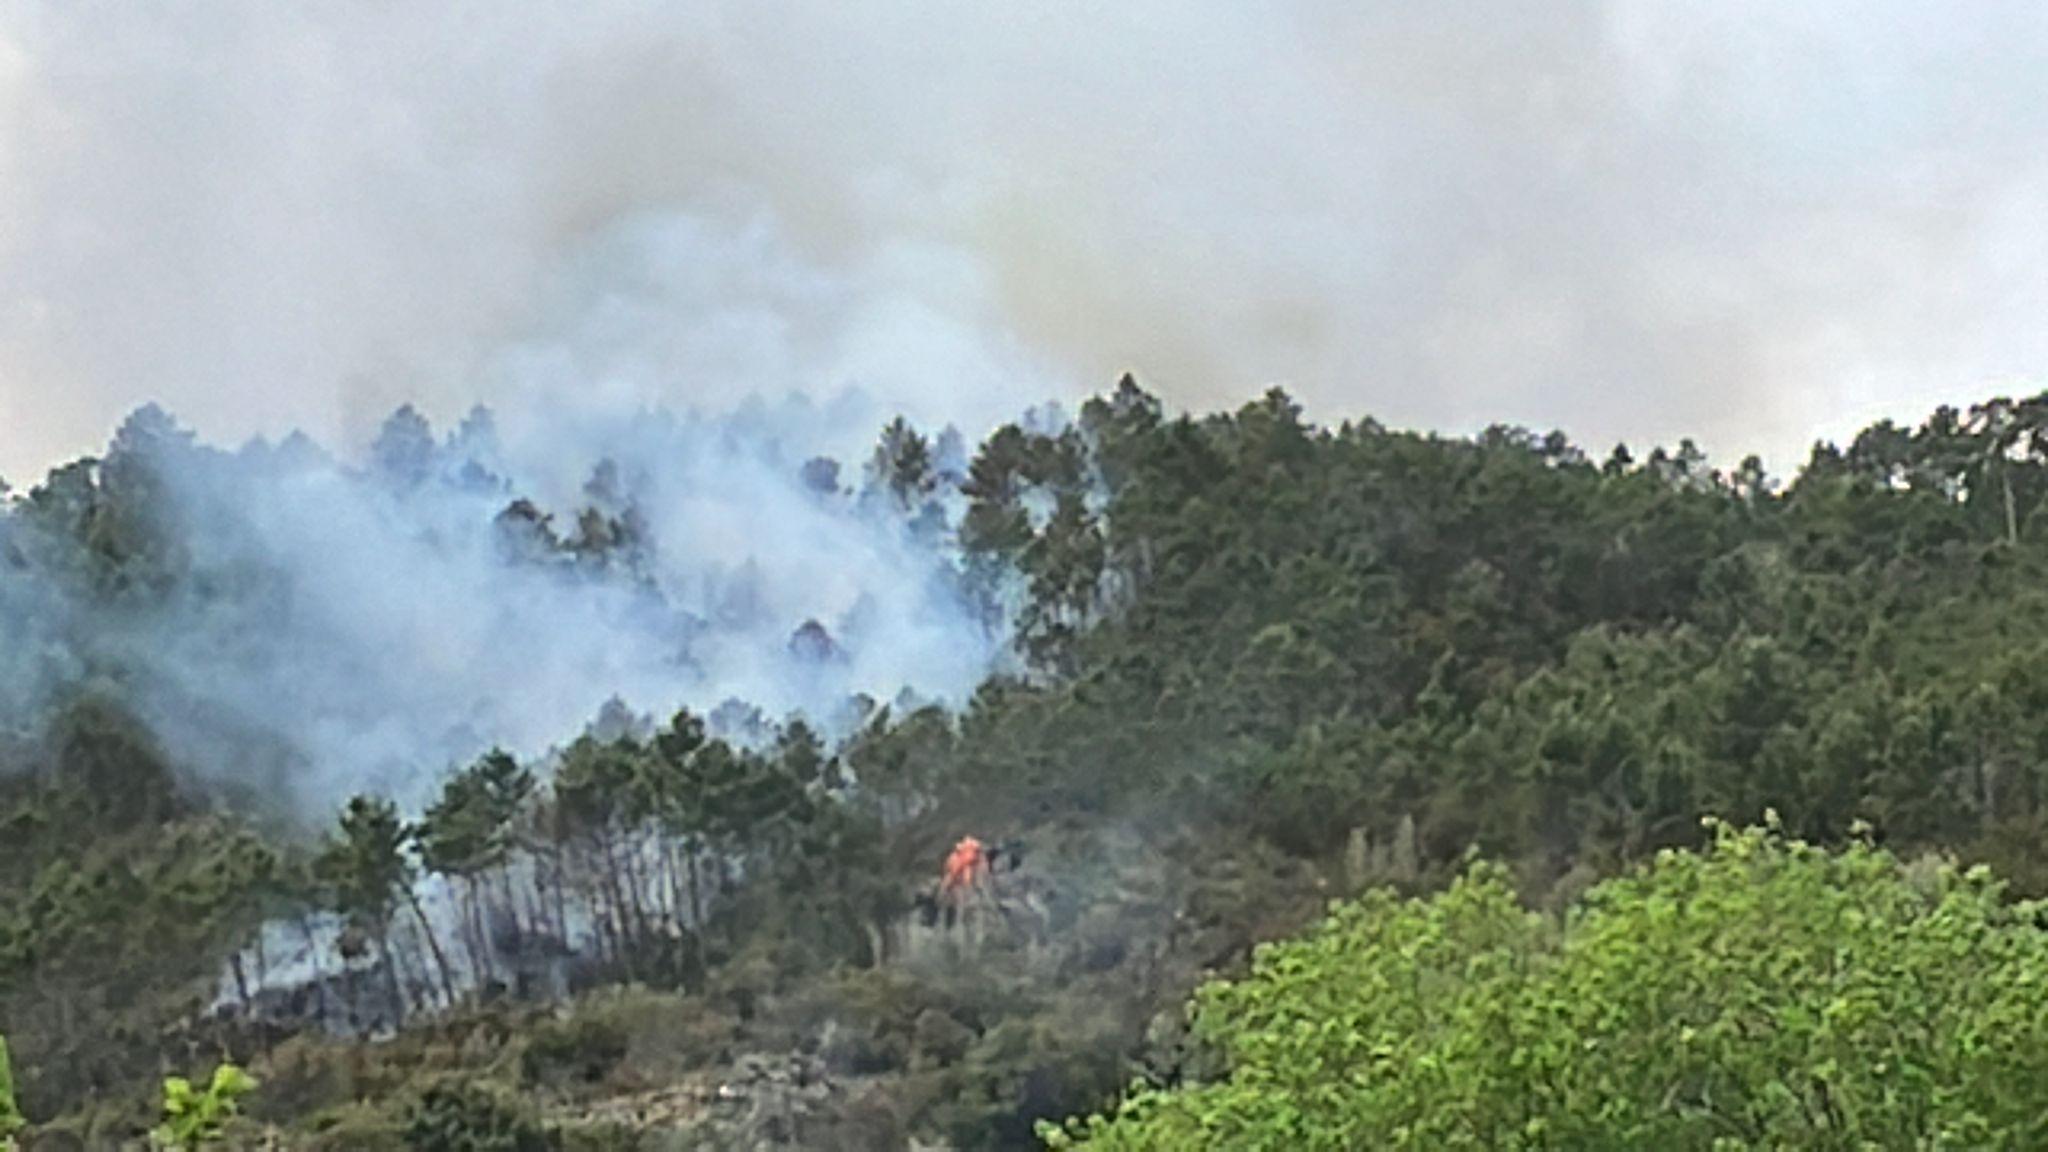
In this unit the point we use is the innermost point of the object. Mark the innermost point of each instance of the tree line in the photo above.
(626, 863)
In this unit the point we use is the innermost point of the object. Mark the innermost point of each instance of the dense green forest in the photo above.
(1260, 666)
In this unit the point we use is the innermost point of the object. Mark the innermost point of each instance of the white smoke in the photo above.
(1743, 222)
(347, 625)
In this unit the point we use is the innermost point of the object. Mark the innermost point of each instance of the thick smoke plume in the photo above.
(1745, 222)
(310, 627)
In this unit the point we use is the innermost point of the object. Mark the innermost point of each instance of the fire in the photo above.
(966, 869)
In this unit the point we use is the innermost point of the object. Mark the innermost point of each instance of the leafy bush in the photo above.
(470, 1116)
(11, 1119)
(195, 1118)
(582, 1049)
(1761, 993)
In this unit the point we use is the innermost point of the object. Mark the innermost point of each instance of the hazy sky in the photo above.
(1750, 221)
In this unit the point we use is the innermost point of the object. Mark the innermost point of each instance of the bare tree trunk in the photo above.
(2012, 524)
(561, 898)
(543, 877)
(479, 936)
(677, 899)
(661, 885)
(319, 978)
(390, 961)
(547, 890)
(633, 890)
(607, 909)
(615, 898)
(511, 901)
(241, 981)
(262, 960)
(352, 993)
(412, 901)
(696, 904)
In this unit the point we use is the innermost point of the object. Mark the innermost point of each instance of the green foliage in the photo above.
(357, 1129)
(366, 865)
(1762, 993)
(11, 1119)
(122, 896)
(578, 1051)
(469, 830)
(469, 1116)
(1327, 630)
(195, 1118)
(470, 834)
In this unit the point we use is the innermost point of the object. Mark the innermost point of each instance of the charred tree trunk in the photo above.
(241, 982)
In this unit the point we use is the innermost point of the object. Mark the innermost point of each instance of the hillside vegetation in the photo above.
(1758, 994)
(1260, 665)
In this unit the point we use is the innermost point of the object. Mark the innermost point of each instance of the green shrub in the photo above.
(602, 1136)
(583, 1049)
(11, 1119)
(196, 1119)
(939, 1040)
(1759, 994)
(357, 1128)
(471, 1116)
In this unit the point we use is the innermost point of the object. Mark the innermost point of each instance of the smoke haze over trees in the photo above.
(307, 627)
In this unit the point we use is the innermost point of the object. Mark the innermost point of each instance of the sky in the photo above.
(1749, 222)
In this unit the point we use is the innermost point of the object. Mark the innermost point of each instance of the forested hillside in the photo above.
(1256, 665)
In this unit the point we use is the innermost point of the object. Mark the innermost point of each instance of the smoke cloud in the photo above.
(308, 627)
(1743, 222)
